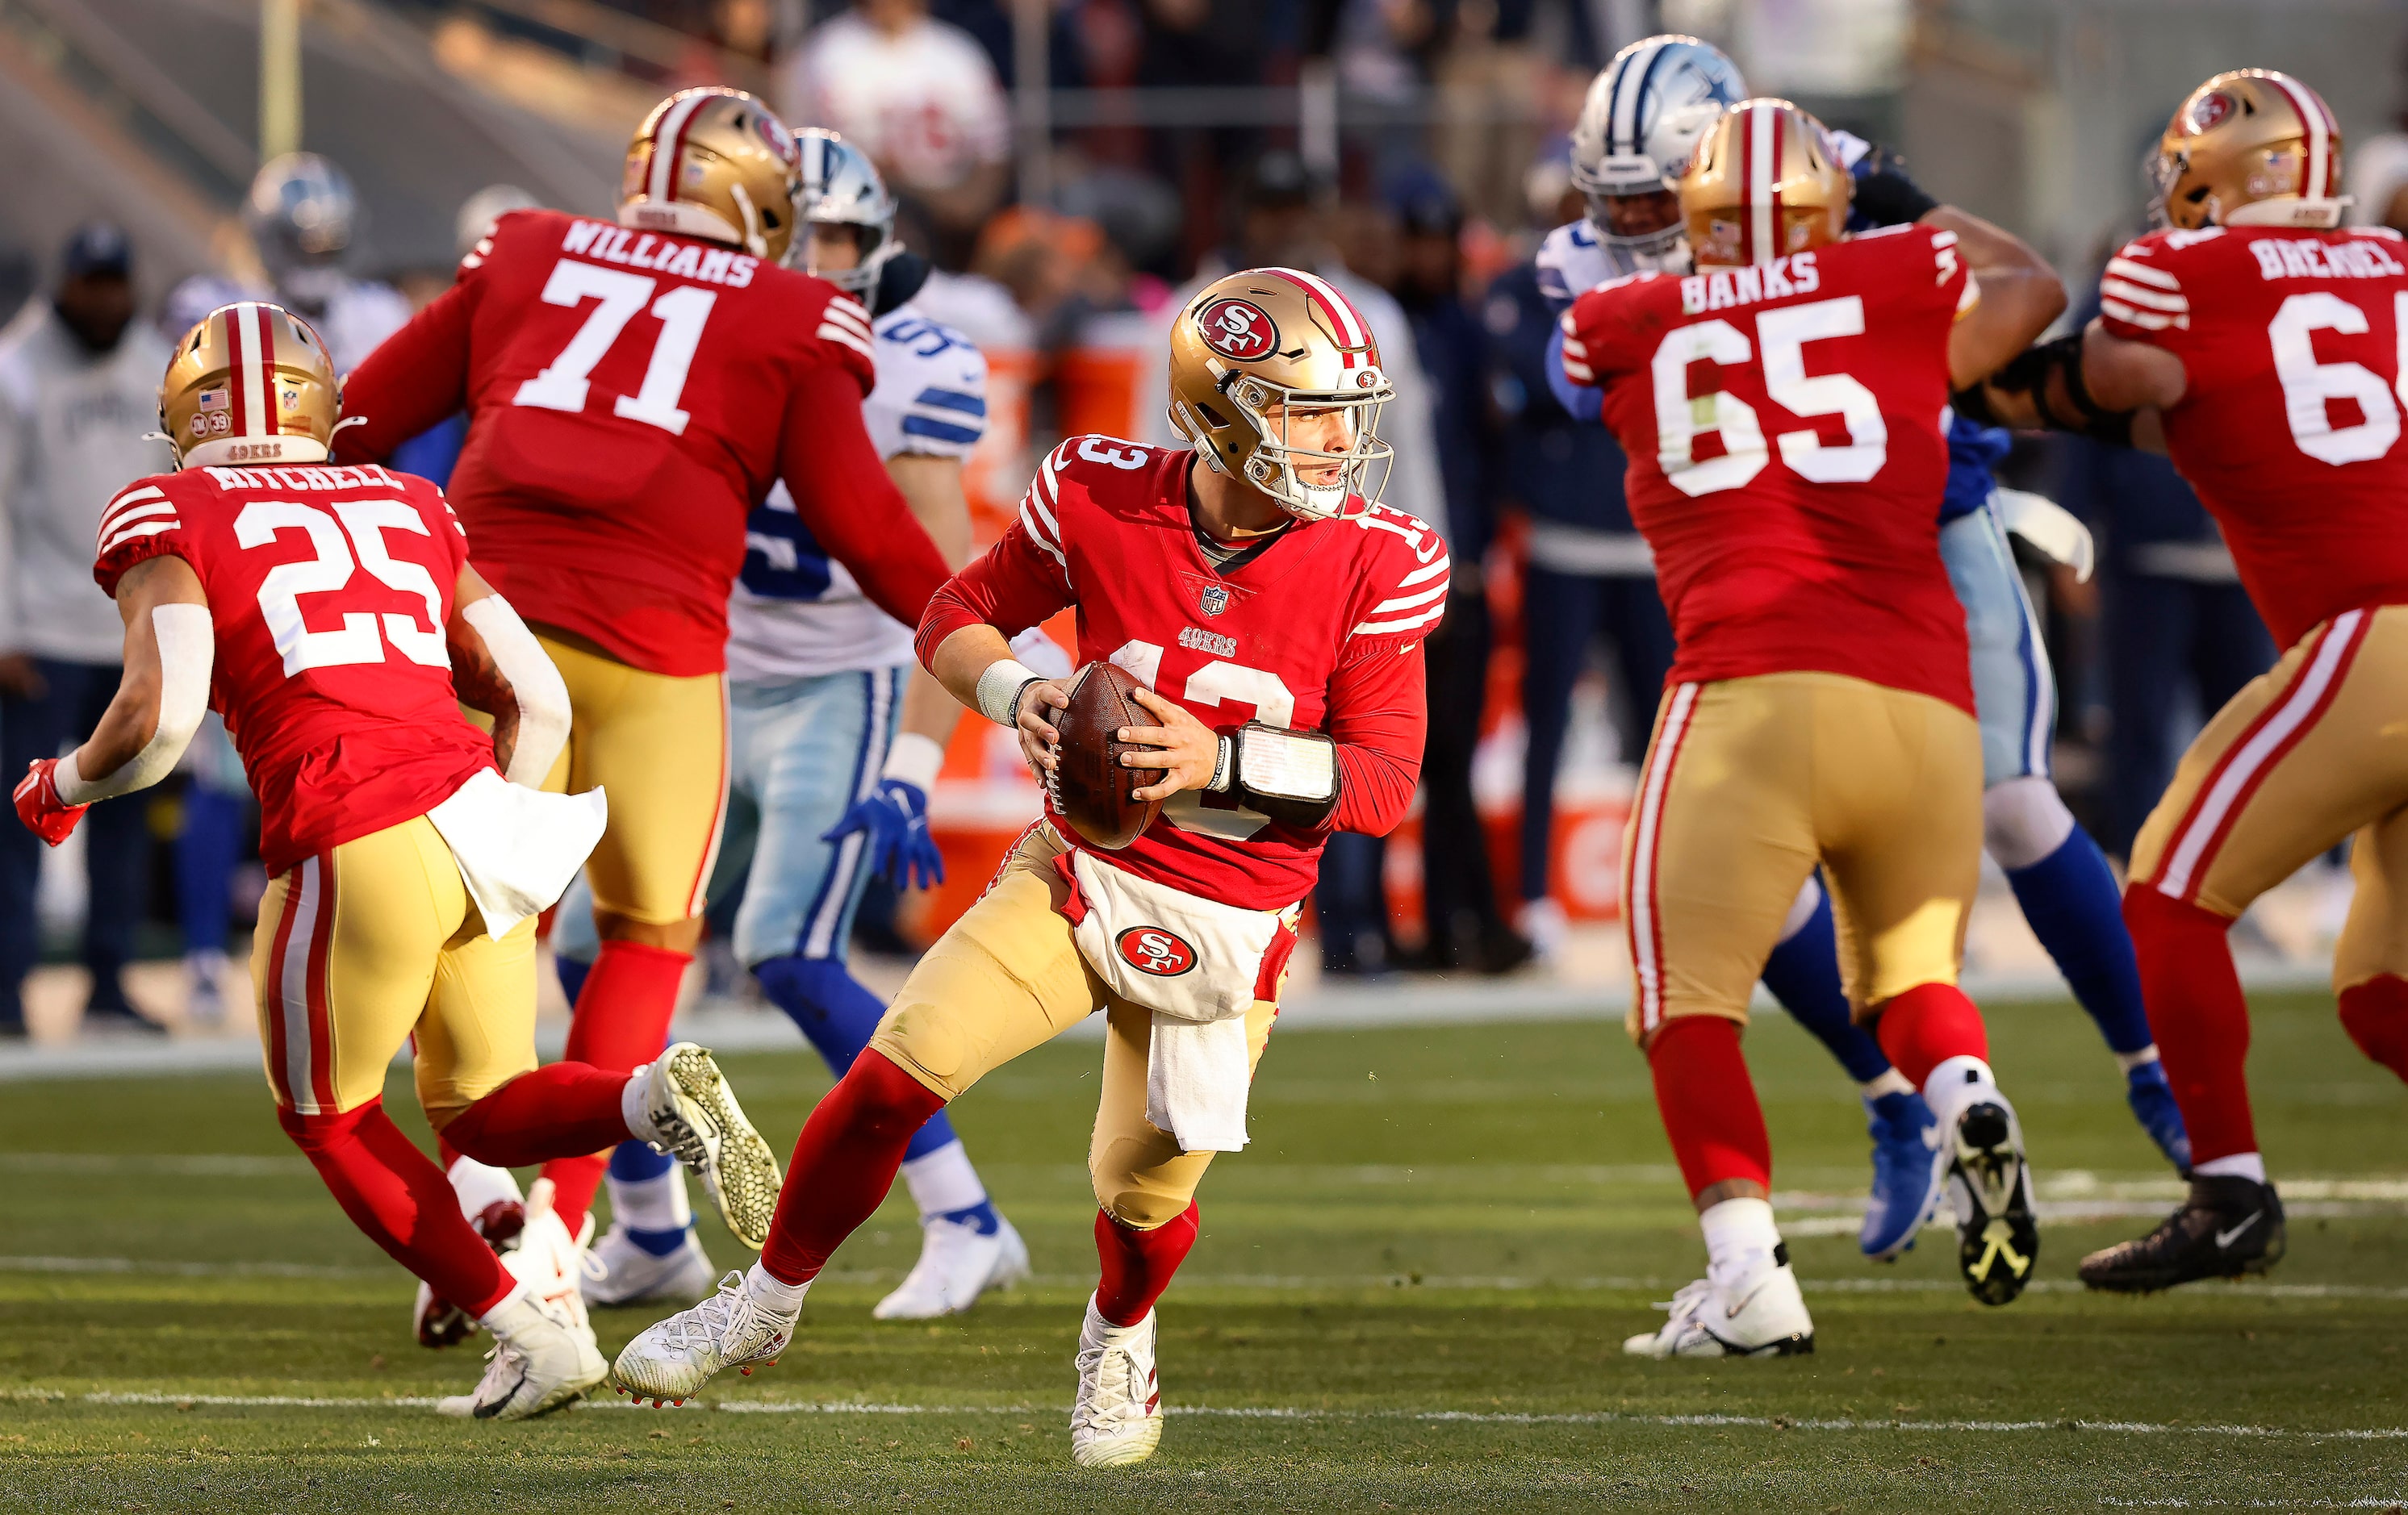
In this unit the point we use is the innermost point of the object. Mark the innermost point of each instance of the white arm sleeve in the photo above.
(187, 649)
(543, 699)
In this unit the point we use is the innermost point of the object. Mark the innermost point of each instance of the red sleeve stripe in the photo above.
(844, 311)
(1418, 575)
(2148, 320)
(1373, 628)
(1407, 602)
(148, 528)
(149, 500)
(2153, 299)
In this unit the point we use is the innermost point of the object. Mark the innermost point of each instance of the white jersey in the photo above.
(359, 313)
(795, 612)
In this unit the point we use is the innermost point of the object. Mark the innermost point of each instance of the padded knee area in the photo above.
(1132, 1189)
(2375, 1015)
(2023, 820)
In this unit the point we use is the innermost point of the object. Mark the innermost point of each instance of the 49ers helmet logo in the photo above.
(1154, 951)
(1238, 330)
(2207, 110)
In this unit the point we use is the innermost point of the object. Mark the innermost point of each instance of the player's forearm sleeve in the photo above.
(415, 377)
(843, 494)
(1011, 587)
(535, 683)
(187, 650)
(1585, 404)
(1379, 712)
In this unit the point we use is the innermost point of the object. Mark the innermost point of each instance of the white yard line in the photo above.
(1272, 1412)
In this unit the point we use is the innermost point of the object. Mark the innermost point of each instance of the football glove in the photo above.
(39, 805)
(894, 817)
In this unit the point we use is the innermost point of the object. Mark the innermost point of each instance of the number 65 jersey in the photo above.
(1787, 427)
(1320, 629)
(631, 398)
(2291, 342)
(329, 590)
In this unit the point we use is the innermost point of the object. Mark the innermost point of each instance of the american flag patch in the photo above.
(213, 399)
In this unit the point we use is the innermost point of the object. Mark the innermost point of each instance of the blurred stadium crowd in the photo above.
(1069, 165)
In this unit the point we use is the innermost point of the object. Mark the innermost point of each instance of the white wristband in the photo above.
(914, 760)
(998, 690)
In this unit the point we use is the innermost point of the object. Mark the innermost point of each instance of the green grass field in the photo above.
(1410, 1293)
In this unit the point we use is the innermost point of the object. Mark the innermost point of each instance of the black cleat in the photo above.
(2227, 1227)
(1997, 1236)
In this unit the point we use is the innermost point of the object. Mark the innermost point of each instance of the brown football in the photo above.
(1090, 787)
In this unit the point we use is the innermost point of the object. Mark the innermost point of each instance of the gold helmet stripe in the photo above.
(668, 145)
(1354, 337)
(2317, 183)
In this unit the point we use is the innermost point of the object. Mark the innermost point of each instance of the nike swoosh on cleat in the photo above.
(486, 1412)
(2224, 1240)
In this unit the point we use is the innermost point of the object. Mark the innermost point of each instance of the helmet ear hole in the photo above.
(1211, 418)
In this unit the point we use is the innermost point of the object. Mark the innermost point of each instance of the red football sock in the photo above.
(401, 1201)
(844, 1161)
(2375, 1015)
(2194, 1005)
(562, 1110)
(1926, 1026)
(1708, 1102)
(1137, 1265)
(621, 1022)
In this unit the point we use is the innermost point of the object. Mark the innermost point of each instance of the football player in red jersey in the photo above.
(633, 391)
(1785, 411)
(2259, 341)
(1276, 620)
(330, 615)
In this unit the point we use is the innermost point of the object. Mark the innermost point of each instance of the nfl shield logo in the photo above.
(1214, 599)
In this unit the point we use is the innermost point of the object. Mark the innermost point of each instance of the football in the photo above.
(1090, 787)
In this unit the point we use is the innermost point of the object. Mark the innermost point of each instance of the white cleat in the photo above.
(489, 1198)
(622, 1273)
(684, 1107)
(1764, 1317)
(670, 1361)
(956, 1265)
(1117, 1419)
(541, 1362)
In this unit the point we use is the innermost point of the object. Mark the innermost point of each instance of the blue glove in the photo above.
(894, 817)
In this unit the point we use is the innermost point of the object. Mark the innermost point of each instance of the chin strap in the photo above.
(2028, 374)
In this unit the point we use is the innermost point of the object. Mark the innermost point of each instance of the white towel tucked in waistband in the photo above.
(518, 848)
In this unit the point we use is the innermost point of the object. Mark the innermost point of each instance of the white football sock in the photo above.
(2250, 1165)
(1957, 1082)
(480, 1184)
(775, 1296)
(2128, 1061)
(1740, 1240)
(656, 1204)
(514, 1309)
(943, 1182)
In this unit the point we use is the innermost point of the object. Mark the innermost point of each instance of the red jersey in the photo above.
(1321, 630)
(631, 397)
(329, 589)
(2288, 427)
(1787, 431)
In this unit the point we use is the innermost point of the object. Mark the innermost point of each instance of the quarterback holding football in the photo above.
(1267, 617)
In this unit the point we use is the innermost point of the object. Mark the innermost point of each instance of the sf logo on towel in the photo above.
(1153, 950)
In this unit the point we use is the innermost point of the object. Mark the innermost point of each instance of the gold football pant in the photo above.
(658, 746)
(1005, 978)
(1748, 783)
(2309, 752)
(371, 943)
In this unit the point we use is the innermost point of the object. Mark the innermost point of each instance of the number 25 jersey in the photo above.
(1321, 630)
(329, 589)
(1786, 430)
(631, 397)
(2289, 423)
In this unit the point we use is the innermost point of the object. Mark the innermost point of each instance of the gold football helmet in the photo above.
(2250, 147)
(1255, 353)
(714, 164)
(1766, 182)
(249, 383)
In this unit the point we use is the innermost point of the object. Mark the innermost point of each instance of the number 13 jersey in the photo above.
(631, 397)
(1321, 630)
(1787, 427)
(329, 590)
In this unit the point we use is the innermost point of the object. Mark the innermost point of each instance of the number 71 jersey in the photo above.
(329, 590)
(1787, 427)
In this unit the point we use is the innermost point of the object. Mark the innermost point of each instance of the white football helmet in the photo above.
(1637, 130)
(841, 187)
